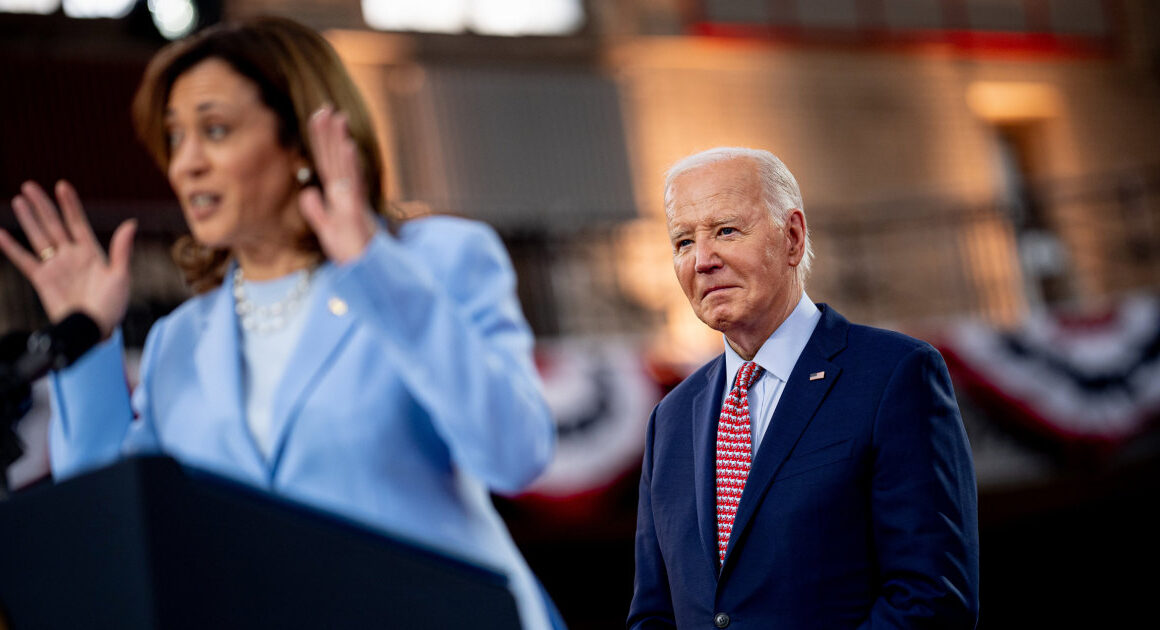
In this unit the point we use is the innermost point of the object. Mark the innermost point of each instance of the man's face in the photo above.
(735, 264)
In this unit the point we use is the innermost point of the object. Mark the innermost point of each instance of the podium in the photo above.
(148, 544)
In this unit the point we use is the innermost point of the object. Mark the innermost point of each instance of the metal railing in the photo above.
(902, 263)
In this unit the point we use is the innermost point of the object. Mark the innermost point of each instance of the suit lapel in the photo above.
(327, 324)
(796, 408)
(218, 361)
(706, 412)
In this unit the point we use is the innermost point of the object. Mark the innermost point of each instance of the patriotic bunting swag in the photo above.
(1092, 379)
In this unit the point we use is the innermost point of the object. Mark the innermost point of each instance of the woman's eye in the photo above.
(216, 132)
(172, 138)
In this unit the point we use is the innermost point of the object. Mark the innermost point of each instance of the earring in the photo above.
(303, 175)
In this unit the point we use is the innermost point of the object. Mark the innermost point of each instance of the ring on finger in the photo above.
(46, 253)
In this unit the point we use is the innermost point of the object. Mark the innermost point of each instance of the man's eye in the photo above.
(685, 242)
(727, 230)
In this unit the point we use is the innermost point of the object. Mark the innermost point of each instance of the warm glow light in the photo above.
(488, 17)
(174, 19)
(525, 17)
(645, 272)
(429, 16)
(97, 8)
(1001, 101)
(370, 48)
(43, 7)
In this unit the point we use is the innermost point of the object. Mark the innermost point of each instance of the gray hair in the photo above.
(779, 188)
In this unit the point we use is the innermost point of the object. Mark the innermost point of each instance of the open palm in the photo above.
(69, 270)
(340, 213)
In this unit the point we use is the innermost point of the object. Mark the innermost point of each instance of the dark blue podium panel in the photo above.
(148, 544)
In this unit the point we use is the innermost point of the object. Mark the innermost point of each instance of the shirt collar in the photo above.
(781, 350)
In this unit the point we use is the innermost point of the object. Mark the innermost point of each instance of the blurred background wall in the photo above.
(984, 174)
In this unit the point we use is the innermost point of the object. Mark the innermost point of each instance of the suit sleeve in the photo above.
(924, 502)
(92, 419)
(442, 298)
(652, 605)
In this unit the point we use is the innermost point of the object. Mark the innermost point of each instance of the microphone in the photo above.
(15, 401)
(51, 348)
(54, 348)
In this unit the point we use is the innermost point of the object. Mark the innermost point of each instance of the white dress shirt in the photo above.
(777, 356)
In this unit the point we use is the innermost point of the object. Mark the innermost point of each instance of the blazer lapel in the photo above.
(327, 324)
(706, 412)
(218, 362)
(796, 408)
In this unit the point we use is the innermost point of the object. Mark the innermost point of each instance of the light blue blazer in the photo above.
(411, 393)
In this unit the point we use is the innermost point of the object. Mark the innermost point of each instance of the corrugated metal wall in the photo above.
(521, 148)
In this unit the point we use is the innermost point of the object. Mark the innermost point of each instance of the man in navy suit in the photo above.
(814, 475)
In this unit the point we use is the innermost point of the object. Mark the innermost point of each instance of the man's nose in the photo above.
(706, 257)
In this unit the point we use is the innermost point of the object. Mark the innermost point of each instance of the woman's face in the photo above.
(234, 180)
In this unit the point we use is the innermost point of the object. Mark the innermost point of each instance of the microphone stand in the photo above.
(15, 400)
(52, 348)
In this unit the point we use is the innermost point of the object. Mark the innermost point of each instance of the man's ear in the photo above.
(795, 236)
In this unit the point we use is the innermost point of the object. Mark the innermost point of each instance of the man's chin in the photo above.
(720, 320)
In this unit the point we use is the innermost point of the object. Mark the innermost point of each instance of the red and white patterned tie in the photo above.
(733, 453)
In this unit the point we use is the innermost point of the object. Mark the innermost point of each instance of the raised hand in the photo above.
(69, 270)
(340, 213)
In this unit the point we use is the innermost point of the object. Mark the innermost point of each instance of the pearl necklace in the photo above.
(268, 318)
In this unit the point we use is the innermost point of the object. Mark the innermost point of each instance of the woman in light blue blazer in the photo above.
(333, 355)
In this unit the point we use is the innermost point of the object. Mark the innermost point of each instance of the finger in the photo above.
(340, 145)
(345, 153)
(29, 223)
(46, 213)
(327, 136)
(20, 257)
(74, 213)
(121, 246)
(312, 208)
(322, 141)
(317, 140)
(346, 187)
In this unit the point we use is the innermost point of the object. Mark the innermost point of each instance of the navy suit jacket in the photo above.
(859, 510)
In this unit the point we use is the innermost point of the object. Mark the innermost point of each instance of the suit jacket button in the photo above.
(721, 620)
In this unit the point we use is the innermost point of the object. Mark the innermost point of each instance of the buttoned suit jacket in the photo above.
(859, 510)
(411, 394)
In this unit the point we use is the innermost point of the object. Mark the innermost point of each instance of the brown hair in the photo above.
(296, 72)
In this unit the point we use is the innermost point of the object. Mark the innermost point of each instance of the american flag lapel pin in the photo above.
(817, 376)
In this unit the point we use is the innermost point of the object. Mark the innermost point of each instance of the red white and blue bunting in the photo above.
(601, 395)
(1081, 379)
